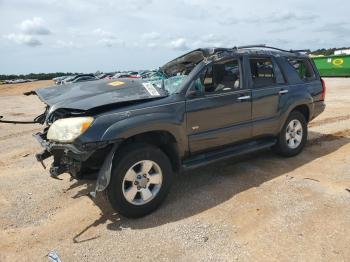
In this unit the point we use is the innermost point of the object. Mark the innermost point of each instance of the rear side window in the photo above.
(262, 72)
(303, 68)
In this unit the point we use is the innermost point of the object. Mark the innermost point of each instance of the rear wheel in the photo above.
(141, 178)
(293, 135)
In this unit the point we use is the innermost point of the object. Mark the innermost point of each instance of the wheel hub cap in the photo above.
(294, 134)
(142, 182)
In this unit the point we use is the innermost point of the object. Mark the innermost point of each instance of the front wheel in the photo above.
(141, 178)
(293, 135)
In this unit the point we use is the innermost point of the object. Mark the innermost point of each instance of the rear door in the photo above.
(220, 111)
(269, 89)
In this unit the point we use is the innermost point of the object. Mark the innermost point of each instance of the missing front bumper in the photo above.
(67, 158)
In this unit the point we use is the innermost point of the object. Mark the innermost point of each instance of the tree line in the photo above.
(39, 76)
(327, 52)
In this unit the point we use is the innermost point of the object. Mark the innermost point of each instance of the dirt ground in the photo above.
(259, 207)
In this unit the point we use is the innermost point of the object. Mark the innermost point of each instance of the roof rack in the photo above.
(273, 48)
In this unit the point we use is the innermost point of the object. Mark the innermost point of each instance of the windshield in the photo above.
(171, 84)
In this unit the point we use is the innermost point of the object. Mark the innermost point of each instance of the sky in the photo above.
(110, 35)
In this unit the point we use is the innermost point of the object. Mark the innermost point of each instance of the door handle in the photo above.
(243, 98)
(283, 92)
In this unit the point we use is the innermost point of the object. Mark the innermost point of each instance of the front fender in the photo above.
(139, 124)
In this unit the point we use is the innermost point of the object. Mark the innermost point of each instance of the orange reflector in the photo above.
(86, 125)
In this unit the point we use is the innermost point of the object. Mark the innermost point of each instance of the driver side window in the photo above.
(219, 77)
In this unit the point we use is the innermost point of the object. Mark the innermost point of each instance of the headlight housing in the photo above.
(68, 129)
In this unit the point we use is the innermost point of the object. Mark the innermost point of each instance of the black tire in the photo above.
(124, 160)
(282, 146)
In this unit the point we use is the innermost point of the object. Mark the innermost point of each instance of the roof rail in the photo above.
(273, 48)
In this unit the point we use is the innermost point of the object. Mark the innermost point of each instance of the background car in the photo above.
(79, 78)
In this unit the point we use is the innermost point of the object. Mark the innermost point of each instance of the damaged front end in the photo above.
(84, 161)
(75, 121)
(67, 158)
(80, 159)
(61, 141)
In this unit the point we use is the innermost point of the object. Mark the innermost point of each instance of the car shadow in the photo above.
(205, 188)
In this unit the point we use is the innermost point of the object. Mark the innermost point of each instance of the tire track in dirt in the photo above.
(329, 120)
(329, 137)
(19, 134)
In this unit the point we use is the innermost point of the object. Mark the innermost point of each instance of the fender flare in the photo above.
(129, 127)
(304, 102)
(151, 122)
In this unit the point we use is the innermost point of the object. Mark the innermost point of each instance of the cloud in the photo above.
(65, 44)
(109, 42)
(30, 27)
(34, 26)
(23, 39)
(151, 36)
(337, 29)
(103, 33)
(185, 42)
(211, 40)
(155, 31)
(274, 17)
(282, 28)
(288, 16)
(152, 45)
(107, 38)
(179, 44)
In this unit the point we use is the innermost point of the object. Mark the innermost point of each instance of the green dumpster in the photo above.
(334, 65)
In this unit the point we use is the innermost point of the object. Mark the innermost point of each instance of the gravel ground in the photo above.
(259, 207)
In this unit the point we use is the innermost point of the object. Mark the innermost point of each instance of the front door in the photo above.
(219, 113)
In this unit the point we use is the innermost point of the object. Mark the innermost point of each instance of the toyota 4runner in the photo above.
(208, 105)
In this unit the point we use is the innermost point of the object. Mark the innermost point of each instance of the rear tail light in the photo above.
(323, 95)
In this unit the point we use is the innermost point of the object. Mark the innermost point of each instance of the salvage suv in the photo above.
(211, 104)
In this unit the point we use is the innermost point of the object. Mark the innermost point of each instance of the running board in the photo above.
(242, 149)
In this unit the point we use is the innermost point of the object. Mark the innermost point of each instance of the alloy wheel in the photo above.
(142, 182)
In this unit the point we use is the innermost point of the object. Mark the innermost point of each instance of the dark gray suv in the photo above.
(208, 105)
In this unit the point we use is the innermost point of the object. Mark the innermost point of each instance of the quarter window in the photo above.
(303, 68)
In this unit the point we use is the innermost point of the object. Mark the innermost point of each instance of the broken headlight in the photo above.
(67, 129)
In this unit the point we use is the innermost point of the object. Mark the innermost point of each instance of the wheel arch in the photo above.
(304, 108)
(162, 139)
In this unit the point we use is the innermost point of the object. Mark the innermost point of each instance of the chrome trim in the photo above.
(219, 95)
(243, 98)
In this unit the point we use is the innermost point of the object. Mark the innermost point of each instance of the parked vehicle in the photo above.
(131, 74)
(121, 75)
(134, 74)
(58, 80)
(79, 78)
(105, 76)
(214, 104)
(19, 81)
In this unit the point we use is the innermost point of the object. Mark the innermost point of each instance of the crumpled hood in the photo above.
(88, 95)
